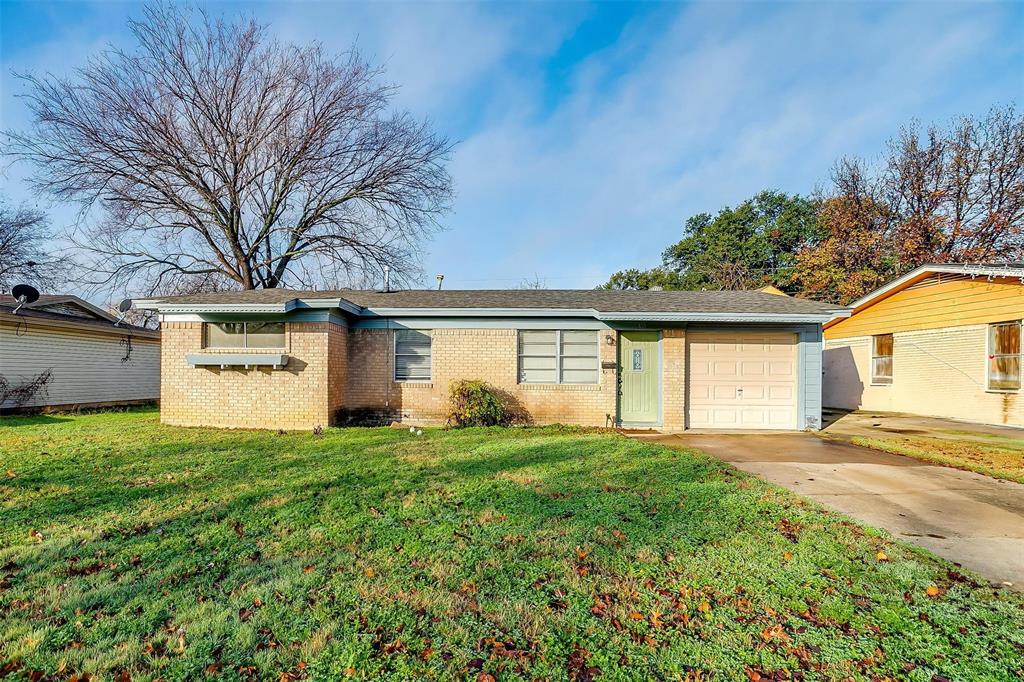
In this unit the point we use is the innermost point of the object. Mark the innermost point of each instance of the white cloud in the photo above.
(718, 106)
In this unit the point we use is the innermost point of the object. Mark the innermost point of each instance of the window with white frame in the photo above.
(559, 356)
(1004, 356)
(243, 335)
(412, 355)
(881, 359)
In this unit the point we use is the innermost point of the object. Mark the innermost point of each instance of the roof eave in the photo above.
(777, 318)
(922, 271)
(478, 312)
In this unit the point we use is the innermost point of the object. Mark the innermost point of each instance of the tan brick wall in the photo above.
(936, 372)
(486, 354)
(673, 382)
(336, 372)
(294, 397)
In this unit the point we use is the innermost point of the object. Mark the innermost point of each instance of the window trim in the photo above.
(559, 356)
(990, 355)
(245, 336)
(878, 380)
(394, 357)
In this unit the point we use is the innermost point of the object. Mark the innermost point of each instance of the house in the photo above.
(90, 360)
(943, 341)
(667, 359)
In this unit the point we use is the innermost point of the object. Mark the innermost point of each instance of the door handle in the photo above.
(739, 392)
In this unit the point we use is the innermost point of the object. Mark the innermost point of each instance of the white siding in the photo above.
(86, 366)
(936, 372)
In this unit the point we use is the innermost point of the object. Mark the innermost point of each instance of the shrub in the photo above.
(477, 403)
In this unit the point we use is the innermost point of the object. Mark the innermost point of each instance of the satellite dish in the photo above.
(123, 307)
(24, 294)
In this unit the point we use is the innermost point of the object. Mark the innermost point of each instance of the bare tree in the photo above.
(215, 151)
(957, 194)
(952, 194)
(26, 248)
(535, 282)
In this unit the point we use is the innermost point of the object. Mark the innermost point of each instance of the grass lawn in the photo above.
(992, 455)
(129, 550)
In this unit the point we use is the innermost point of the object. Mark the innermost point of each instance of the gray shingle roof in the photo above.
(600, 300)
(37, 311)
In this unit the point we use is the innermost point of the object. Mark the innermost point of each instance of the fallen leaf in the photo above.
(882, 556)
(704, 607)
(36, 535)
(932, 591)
(787, 556)
(11, 473)
(369, 572)
(636, 615)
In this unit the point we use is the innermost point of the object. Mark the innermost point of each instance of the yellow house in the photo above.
(943, 341)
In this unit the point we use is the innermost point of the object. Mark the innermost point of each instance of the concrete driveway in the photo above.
(970, 519)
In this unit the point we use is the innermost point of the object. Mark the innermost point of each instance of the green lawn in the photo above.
(997, 456)
(129, 550)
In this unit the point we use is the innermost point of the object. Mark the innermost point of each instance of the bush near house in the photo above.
(477, 403)
(130, 550)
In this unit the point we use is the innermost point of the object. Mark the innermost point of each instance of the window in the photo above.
(559, 357)
(412, 355)
(881, 359)
(244, 335)
(1004, 356)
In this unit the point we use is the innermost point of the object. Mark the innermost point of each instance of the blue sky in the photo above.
(588, 132)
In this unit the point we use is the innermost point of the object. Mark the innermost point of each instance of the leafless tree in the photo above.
(535, 282)
(952, 194)
(214, 151)
(16, 395)
(26, 248)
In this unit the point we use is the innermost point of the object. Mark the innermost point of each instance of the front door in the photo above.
(639, 373)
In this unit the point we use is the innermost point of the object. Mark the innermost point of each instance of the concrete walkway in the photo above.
(892, 424)
(970, 519)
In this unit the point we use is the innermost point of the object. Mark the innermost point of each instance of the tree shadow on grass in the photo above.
(15, 420)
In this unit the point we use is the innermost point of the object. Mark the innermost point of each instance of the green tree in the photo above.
(745, 247)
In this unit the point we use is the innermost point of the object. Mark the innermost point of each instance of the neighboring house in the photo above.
(668, 359)
(943, 340)
(91, 361)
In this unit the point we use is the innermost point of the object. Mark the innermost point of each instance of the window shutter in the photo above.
(412, 355)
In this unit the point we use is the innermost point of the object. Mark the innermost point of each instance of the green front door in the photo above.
(639, 372)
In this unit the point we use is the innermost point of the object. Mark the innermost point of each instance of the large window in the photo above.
(412, 355)
(1004, 356)
(881, 359)
(558, 357)
(244, 335)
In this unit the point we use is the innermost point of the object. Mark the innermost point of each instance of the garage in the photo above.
(742, 380)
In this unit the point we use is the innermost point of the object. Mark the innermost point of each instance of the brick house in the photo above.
(670, 360)
(941, 341)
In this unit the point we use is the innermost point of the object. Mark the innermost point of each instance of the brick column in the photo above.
(673, 382)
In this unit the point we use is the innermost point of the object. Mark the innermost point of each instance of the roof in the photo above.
(601, 303)
(1010, 270)
(69, 310)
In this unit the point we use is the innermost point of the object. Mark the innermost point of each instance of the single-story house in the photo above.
(942, 341)
(77, 354)
(667, 359)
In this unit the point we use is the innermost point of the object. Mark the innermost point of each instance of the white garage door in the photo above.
(742, 380)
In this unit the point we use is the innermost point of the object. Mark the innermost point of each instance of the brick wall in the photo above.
(673, 379)
(294, 397)
(937, 372)
(339, 375)
(487, 354)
